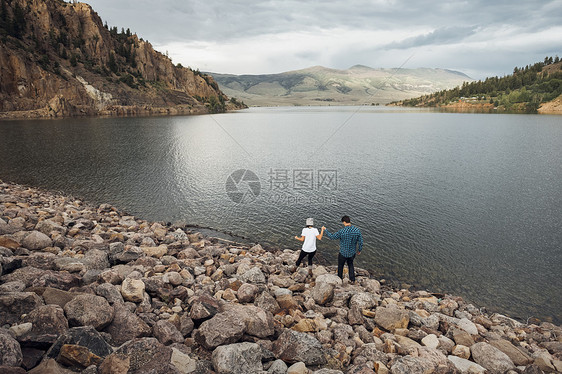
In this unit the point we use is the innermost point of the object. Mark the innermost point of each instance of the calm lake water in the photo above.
(468, 204)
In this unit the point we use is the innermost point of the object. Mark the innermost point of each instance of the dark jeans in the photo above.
(303, 255)
(341, 262)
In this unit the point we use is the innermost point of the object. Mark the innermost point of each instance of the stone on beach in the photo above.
(167, 299)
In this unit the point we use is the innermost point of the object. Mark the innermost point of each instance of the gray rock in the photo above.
(323, 293)
(362, 300)
(13, 286)
(247, 293)
(58, 297)
(48, 226)
(167, 333)
(89, 310)
(10, 351)
(491, 358)
(186, 325)
(254, 275)
(48, 323)
(14, 304)
(293, 346)
(36, 240)
(133, 290)
(468, 326)
(203, 307)
(126, 326)
(409, 365)
(392, 317)
(258, 322)
(110, 292)
(267, 302)
(183, 362)
(148, 355)
(85, 336)
(369, 353)
(278, 367)
(466, 366)
(223, 328)
(517, 355)
(241, 358)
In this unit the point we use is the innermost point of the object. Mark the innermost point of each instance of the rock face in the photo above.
(87, 69)
(205, 306)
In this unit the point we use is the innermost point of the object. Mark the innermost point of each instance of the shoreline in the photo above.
(195, 302)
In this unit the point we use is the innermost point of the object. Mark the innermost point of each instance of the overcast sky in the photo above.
(479, 38)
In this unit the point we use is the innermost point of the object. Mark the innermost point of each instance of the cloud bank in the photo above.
(480, 38)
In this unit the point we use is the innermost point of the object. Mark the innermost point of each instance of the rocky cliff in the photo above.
(57, 59)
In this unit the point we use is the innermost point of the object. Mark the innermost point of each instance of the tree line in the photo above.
(524, 90)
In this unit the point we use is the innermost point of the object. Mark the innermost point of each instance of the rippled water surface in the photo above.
(469, 204)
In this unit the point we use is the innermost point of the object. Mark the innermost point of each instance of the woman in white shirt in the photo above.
(308, 237)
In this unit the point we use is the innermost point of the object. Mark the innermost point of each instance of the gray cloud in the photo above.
(272, 36)
(443, 35)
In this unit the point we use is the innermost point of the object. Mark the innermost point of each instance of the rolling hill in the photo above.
(318, 85)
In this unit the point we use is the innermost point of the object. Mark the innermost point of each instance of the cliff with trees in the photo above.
(58, 59)
(530, 89)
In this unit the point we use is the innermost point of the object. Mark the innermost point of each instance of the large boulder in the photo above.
(47, 226)
(362, 300)
(254, 275)
(48, 323)
(132, 290)
(258, 322)
(10, 351)
(14, 304)
(89, 310)
(126, 326)
(392, 317)
(410, 364)
(293, 346)
(466, 366)
(267, 302)
(517, 355)
(247, 293)
(167, 333)
(147, 355)
(223, 328)
(36, 240)
(322, 293)
(240, 358)
(203, 307)
(491, 358)
(85, 336)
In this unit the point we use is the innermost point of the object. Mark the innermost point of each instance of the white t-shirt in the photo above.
(309, 234)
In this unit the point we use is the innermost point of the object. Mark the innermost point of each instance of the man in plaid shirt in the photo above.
(351, 243)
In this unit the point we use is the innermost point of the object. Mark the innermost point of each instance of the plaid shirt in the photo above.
(350, 237)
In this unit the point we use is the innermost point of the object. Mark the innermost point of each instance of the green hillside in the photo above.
(523, 91)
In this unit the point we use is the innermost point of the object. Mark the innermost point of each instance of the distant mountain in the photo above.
(58, 59)
(323, 86)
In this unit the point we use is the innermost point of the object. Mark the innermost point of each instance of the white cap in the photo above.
(309, 222)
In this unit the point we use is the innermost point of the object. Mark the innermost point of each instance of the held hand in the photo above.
(323, 228)
(296, 237)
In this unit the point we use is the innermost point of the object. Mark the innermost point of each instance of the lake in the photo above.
(468, 204)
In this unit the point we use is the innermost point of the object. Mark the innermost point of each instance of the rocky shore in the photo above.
(90, 289)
